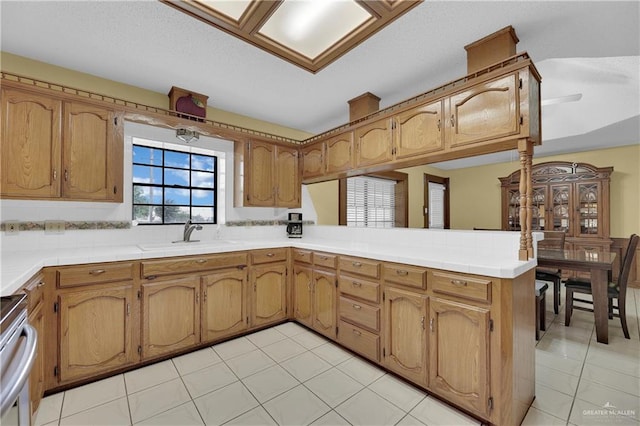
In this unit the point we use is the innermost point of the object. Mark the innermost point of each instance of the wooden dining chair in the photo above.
(616, 290)
(553, 240)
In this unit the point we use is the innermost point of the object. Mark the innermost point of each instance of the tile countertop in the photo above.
(18, 266)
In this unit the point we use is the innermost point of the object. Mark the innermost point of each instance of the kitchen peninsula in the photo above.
(450, 311)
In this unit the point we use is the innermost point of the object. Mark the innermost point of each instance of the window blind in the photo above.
(436, 205)
(370, 202)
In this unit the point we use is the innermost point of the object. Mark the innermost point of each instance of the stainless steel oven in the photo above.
(18, 345)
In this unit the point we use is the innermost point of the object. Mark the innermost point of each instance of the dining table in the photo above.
(599, 264)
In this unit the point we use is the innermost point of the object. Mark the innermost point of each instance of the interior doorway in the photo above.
(436, 202)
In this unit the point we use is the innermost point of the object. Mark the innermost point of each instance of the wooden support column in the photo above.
(525, 150)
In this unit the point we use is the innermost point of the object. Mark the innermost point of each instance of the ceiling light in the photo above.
(187, 136)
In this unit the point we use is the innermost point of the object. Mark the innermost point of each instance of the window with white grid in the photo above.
(370, 202)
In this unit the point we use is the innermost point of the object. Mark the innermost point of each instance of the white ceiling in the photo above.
(586, 47)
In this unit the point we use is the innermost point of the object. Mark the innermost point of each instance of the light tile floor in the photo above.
(287, 375)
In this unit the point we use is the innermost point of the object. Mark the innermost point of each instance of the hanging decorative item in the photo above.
(188, 102)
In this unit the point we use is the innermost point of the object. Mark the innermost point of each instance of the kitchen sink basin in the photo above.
(180, 245)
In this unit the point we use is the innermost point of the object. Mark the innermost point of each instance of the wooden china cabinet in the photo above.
(569, 197)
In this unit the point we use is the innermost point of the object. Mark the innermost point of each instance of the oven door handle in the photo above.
(19, 375)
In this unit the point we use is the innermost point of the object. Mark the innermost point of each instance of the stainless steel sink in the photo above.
(180, 245)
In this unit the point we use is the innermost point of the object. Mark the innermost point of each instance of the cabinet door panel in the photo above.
(374, 143)
(224, 309)
(31, 143)
(313, 161)
(588, 206)
(405, 337)
(92, 144)
(561, 208)
(459, 354)
(287, 178)
(302, 281)
(487, 111)
(170, 315)
(269, 294)
(36, 378)
(419, 131)
(259, 171)
(324, 303)
(339, 153)
(95, 332)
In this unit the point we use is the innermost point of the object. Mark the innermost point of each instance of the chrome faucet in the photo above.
(188, 229)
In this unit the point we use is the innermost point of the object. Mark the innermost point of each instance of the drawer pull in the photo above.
(324, 258)
(356, 332)
(151, 277)
(356, 264)
(356, 284)
(459, 283)
(201, 261)
(97, 272)
(431, 324)
(402, 273)
(422, 323)
(40, 283)
(358, 307)
(270, 254)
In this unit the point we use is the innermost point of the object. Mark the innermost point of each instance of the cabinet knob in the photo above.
(357, 307)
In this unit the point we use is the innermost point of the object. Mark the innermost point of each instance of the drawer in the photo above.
(302, 256)
(360, 313)
(410, 276)
(366, 267)
(461, 285)
(94, 274)
(34, 289)
(359, 340)
(269, 255)
(324, 259)
(185, 265)
(361, 289)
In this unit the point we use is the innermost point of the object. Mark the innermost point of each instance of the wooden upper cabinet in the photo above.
(374, 143)
(287, 172)
(52, 149)
(313, 160)
(266, 175)
(92, 153)
(259, 174)
(31, 144)
(487, 111)
(339, 153)
(419, 131)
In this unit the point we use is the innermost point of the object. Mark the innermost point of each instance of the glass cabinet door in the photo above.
(539, 205)
(513, 209)
(561, 208)
(588, 200)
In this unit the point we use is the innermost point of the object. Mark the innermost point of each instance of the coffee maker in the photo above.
(294, 225)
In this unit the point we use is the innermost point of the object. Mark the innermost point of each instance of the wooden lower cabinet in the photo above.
(95, 331)
(170, 315)
(459, 364)
(224, 304)
(405, 341)
(302, 294)
(269, 298)
(36, 378)
(324, 303)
